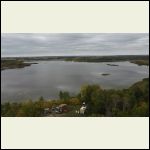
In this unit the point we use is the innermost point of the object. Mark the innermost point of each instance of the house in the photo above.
(83, 108)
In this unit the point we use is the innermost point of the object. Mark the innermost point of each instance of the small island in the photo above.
(112, 65)
(13, 64)
(105, 74)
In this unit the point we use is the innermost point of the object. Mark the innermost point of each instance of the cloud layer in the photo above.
(67, 44)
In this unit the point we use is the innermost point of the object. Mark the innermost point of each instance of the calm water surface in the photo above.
(47, 78)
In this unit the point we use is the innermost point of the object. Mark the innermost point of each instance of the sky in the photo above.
(73, 44)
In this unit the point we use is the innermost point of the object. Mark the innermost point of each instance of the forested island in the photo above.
(13, 63)
(130, 102)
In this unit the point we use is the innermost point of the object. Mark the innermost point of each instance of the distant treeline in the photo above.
(18, 62)
(131, 102)
(85, 58)
(107, 58)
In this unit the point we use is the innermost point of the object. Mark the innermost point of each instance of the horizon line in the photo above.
(75, 55)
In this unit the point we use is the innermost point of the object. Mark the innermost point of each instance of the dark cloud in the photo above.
(37, 44)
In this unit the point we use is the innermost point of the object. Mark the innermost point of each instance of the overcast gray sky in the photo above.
(60, 44)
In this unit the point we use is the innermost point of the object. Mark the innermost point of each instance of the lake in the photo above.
(47, 78)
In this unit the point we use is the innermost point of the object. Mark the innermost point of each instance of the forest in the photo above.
(130, 102)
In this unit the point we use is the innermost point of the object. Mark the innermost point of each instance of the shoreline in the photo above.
(21, 62)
